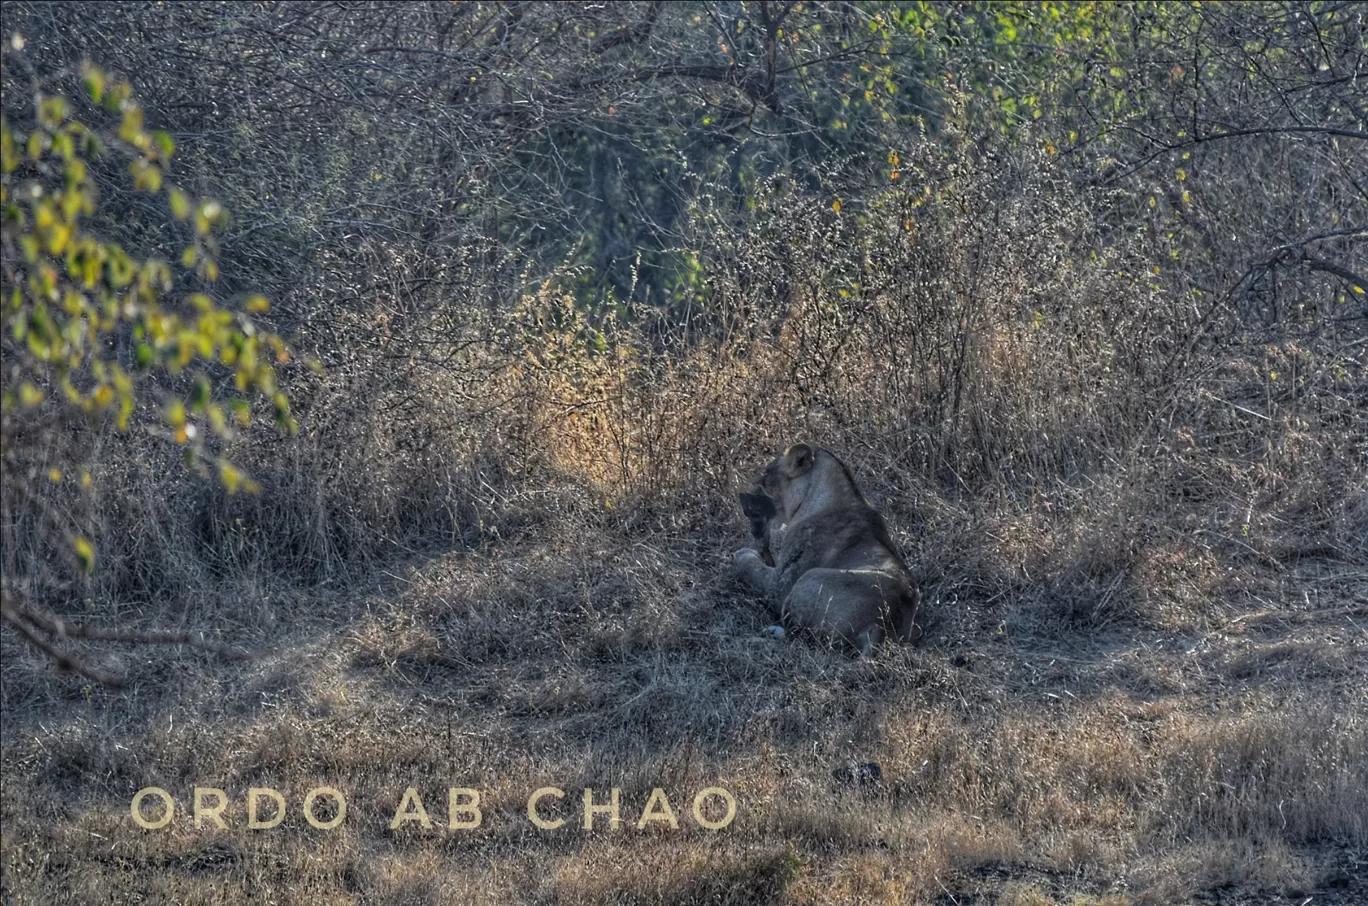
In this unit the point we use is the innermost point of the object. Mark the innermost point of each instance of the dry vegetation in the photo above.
(500, 558)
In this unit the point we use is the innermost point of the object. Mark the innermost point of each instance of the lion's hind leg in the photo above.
(843, 603)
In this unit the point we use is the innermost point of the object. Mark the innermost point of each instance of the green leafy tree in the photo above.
(91, 330)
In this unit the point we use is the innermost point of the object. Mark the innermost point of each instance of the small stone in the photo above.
(863, 774)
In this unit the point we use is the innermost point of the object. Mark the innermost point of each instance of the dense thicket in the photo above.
(1003, 249)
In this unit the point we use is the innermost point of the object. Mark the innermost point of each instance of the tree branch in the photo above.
(1330, 267)
(64, 660)
(629, 34)
(21, 617)
(751, 84)
(1238, 133)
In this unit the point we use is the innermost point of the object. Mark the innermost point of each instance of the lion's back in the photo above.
(854, 536)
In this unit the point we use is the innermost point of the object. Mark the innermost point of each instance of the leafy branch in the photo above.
(87, 325)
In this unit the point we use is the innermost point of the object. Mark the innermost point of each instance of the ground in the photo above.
(1023, 760)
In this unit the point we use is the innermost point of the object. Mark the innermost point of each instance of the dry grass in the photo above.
(1147, 678)
(1024, 761)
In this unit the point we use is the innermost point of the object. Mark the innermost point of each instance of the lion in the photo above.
(825, 561)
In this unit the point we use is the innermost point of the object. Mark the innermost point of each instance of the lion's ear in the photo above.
(798, 459)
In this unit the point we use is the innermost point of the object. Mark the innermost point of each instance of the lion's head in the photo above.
(804, 475)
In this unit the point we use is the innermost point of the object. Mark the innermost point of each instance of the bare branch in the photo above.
(629, 34)
(63, 659)
(62, 629)
(25, 620)
(1330, 267)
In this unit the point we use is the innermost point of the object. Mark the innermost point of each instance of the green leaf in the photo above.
(9, 149)
(282, 410)
(218, 421)
(180, 207)
(94, 82)
(242, 411)
(147, 177)
(199, 393)
(85, 552)
(166, 146)
(230, 477)
(52, 111)
(30, 395)
(130, 127)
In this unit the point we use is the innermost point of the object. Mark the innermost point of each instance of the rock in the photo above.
(864, 774)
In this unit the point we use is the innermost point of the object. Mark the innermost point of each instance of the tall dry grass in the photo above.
(497, 552)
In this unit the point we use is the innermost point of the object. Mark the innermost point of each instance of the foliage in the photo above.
(85, 324)
(83, 319)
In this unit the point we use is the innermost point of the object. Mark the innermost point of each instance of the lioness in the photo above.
(835, 570)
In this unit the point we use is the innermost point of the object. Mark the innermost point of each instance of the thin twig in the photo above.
(25, 620)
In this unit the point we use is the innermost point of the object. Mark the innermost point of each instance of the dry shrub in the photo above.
(1041, 417)
(1277, 775)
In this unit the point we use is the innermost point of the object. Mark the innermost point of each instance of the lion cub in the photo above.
(826, 562)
